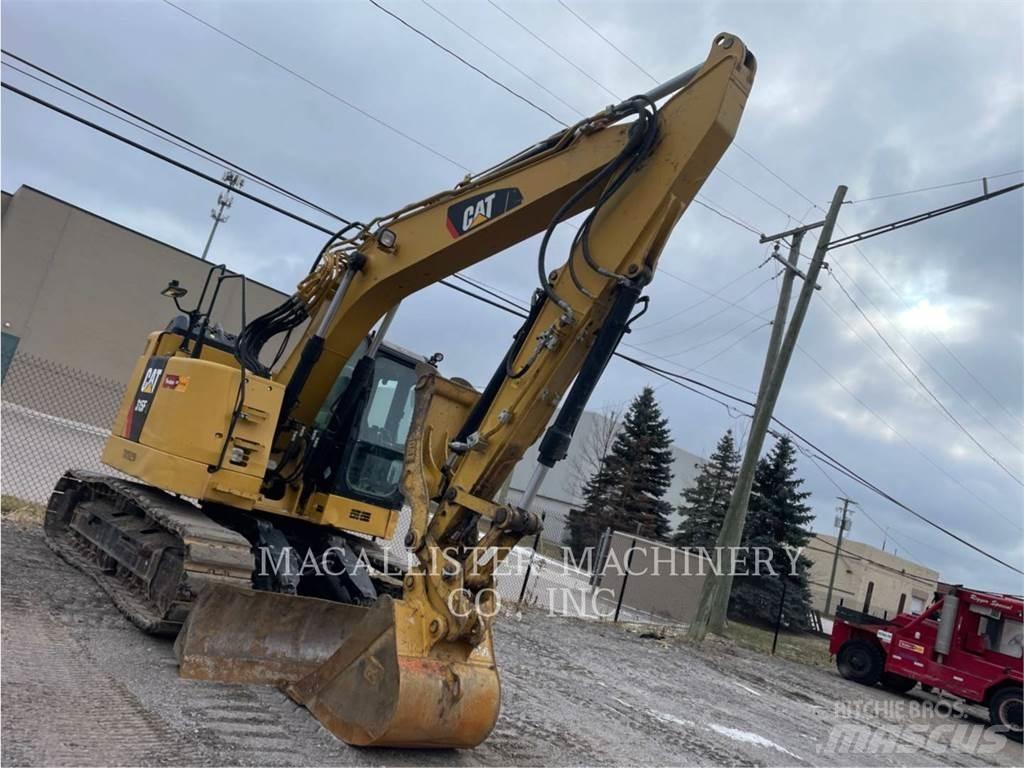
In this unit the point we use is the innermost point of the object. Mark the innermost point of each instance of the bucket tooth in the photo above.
(368, 674)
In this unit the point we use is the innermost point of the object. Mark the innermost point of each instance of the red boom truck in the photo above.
(967, 643)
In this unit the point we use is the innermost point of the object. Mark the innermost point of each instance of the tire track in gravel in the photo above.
(62, 710)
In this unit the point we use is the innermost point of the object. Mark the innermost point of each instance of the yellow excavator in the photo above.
(268, 477)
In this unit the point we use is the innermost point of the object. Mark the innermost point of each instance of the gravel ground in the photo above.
(81, 686)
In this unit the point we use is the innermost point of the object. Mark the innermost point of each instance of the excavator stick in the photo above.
(364, 673)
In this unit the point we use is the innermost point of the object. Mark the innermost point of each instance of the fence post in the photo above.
(778, 618)
(602, 551)
(529, 565)
(625, 576)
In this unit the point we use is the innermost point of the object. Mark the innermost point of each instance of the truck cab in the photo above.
(967, 643)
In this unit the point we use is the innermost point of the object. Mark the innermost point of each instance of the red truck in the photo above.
(967, 643)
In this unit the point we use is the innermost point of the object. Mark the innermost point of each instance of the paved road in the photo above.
(81, 686)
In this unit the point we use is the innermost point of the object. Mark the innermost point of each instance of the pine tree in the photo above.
(777, 518)
(628, 487)
(639, 469)
(705, 503)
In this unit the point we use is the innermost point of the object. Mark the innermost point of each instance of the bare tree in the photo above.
(594, 448)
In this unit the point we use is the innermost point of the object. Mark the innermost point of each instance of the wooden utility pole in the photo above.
(835, 557)
(714, 598)
(791, 270)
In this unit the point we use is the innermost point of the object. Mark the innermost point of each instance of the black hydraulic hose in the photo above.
(569, 204)
(555, 444)
(486, 399)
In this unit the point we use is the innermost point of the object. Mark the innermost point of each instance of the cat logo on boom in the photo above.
(479, 209)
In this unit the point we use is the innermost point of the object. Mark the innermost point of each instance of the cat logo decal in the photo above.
(479, 209)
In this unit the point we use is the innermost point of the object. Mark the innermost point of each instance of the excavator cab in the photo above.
(369, 467)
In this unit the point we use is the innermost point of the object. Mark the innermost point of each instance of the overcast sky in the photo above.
(882, 97)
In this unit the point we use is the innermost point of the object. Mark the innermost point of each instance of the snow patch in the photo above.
(749, 738)
(667, 718)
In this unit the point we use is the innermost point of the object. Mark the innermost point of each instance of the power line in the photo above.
(682, 379)
(164, 158)
(712, 316)
(472, 66)
(722, 351)
(845, 553)
(932, 188)
(655, 80)
(950, 352)
(755, 193)
(885, 531)
(555, 51)
(161, 133)
(813, 205)
(712, 340)
(788, 215)
(727, 217)
(621, 52)
(909, 221)
(777, 176)
(211, 179)
(513, 65)
(925, 360)
(481, 286)
(703, 301)
(924, 386)
(837, 465)
(340, 99)
(939, 468)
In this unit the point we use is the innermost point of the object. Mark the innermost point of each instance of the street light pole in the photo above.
(224, 200)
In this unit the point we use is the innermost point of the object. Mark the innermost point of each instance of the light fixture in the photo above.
(174, 290)
(386, 238)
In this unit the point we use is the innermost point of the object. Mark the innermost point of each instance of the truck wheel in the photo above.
(897, 683)
(861, 662)
(1006, 709)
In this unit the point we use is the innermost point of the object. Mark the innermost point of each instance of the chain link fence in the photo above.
(55, 418)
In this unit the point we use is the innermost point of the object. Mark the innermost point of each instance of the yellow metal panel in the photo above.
(177, 474)
(355, 516)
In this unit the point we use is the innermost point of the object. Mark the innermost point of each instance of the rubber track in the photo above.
(210, 552)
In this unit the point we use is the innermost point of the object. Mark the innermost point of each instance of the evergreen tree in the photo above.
(705, 503)
(628, 488)
(777, 518)
(640, 469)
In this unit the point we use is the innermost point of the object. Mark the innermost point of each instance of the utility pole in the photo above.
(791, 269)
(714, 598)
(224, 200)
(835, 558)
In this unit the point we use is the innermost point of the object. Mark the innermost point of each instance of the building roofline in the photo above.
(152, 239)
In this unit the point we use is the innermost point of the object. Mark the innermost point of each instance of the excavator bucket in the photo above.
(367, 674)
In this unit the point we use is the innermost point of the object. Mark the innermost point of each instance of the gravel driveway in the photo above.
(81, 686)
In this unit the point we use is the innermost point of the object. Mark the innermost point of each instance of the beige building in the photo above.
(666, 582)
(84, 292)
(868, 579)
(79, 295)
